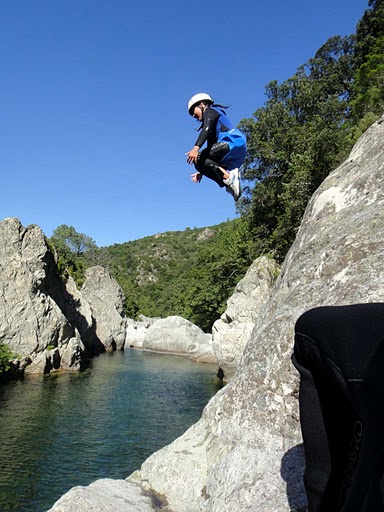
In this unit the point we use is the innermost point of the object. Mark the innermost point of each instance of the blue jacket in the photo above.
(216, 127)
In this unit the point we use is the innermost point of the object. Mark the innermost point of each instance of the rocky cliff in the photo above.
(232, 331)
(245, 452)
(46, 321)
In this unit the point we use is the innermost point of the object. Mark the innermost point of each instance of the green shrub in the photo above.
(5, 356)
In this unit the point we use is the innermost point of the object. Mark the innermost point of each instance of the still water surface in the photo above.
(60, 431)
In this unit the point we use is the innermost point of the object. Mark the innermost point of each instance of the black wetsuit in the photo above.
(226, 145)
(339, 352)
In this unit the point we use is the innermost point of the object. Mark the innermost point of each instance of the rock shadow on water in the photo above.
(292, 471)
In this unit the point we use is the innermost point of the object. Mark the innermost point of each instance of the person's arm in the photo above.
(209, 126)
(207, 132)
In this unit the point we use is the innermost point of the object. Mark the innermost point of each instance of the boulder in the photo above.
(176, 335)
(106, 495)
(135, 333)
(106, 300)
(42, 363)
(229, 341)
(203, 352)
(79, 313)
(147, 320)
(71, 355)
(232, 331)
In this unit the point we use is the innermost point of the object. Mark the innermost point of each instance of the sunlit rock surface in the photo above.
(176, 335)
(232, 331)
(106, 300)
(106, 496)
(31, 322)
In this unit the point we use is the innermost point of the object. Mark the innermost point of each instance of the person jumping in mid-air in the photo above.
(226, 145)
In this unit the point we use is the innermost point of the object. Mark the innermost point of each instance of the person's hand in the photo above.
(196, 177)
(193, 155)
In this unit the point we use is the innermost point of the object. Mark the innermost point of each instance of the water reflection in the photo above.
(61, 431)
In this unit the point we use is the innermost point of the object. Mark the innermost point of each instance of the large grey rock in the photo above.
(71, 355)
(30, 319)
(245, 452)
(106, 300)
(252, 292)
(232, 331)
(106, 496)
(44, 362)
(136, 330)
(135, 333)
(176, 335)
(79, 313)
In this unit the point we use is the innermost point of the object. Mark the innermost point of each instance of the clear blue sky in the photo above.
(94, 127)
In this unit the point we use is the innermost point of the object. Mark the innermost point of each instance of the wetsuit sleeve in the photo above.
(208, 131)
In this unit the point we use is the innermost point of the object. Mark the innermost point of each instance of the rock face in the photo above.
(136, 331)
(175, 335)
(232, 331)
(106, 300)
(47, 323)
(31, 322)
(106, 496)
(78, 312)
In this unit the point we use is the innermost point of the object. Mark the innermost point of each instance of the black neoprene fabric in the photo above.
(339, 353)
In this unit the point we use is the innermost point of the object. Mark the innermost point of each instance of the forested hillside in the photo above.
(187, 273)
(305, 129)
(175, 272)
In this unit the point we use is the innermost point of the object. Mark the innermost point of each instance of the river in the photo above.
(59, 431)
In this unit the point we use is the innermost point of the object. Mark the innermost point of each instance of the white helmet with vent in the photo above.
(197, 98)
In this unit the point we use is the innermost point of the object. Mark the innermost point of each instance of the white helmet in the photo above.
(197, 98)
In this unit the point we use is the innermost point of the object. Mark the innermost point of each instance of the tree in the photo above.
(367, 102)
(218, 268)
(73, 249)
(68, 239)
(294, 141)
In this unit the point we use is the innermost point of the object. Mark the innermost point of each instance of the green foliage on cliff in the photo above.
(295, 140)
(74, 251)
(367, 99)
(5, 356)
